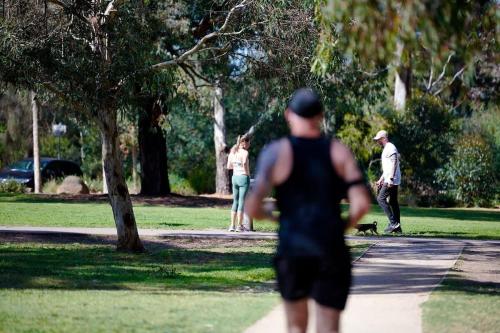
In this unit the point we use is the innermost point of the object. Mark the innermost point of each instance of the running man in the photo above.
(311, 174)
(389, 182)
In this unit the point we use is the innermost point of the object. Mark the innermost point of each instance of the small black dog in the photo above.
(364, 227)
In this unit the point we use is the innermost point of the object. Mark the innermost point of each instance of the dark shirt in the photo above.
(309, 203)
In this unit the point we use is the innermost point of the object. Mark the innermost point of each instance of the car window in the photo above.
(24, 165)
(50, 170)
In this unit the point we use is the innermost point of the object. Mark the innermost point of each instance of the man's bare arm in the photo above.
(357, 193)
(254, 204)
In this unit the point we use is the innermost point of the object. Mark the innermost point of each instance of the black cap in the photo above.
(305, 102)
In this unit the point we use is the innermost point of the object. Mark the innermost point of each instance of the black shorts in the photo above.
(327, 281)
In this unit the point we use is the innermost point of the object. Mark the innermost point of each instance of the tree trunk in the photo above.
(134, 166)
(128, 236)
(222, 182)
(36, 151)
(104, 182)
(402, 84)
(152, 151)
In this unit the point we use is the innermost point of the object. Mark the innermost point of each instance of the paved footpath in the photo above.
(391, 280)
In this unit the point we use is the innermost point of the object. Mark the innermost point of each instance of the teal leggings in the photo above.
(241, 184)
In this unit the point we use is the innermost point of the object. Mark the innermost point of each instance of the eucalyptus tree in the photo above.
(401, 33)
(92, 54)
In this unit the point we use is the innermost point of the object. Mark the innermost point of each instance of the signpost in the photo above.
(58, 130)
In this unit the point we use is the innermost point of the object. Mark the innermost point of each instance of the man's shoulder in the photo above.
(273, 146)
(390, 147)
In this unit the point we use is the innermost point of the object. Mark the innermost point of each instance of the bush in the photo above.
(94, 184)
(180, 185)
(51, 186)
(424, 135)
(470, 172)
(202, 180)
(11, 186)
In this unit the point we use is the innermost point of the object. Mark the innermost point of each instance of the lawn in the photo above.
(28, 210)
(468, 300)
(179, 286)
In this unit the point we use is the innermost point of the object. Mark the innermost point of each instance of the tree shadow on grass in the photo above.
(165, 224)
(458, 284)
(171, 200)
(75, 262)
(447, 234)
(72, 265)
(451, 213)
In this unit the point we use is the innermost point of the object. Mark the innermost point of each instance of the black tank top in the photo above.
(309, 203)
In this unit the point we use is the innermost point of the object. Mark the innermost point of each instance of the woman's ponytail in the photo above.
(235, 148)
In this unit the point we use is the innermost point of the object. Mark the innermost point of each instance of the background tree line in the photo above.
(162, 88)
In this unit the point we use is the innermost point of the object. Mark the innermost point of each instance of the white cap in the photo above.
(380, 134)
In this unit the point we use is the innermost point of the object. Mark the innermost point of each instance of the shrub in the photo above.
(180, 185)
(202, 180)
(51, 186)
(11, 186)
(424, 135)
(470, 172)
(94, 184)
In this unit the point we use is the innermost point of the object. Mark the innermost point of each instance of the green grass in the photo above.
(461, 306)
(443, 222)
(51, 287)
(82, 288)
(28, 210)
(126, 311)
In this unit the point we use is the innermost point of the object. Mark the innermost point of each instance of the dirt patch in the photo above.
(54, 238)
(150, 243)
(479, 264)
(172, 200)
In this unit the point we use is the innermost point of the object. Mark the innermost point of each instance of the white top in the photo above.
(389, 155)
(238, 161)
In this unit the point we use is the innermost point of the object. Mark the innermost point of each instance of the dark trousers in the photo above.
(391, 209)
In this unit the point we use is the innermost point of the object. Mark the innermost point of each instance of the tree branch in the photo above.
(431, 74)
(195, 73)
(69, 9)
(452, 80)
(440, 77)
(205, 39)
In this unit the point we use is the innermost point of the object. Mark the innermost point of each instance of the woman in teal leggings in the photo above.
(238, 161)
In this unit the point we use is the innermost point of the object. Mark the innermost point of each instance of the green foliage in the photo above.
(51, 186)
(180, 185)
(372, 29)
(357, 132)
(91, 146)
(94, 184)
(51, 145)
(469, 173)
(202, 179)
(16, 124)
(11, 186)
(423, 134)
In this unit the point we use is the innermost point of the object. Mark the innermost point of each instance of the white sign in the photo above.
(58, 129)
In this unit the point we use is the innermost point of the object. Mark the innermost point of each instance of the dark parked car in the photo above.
(50, 168)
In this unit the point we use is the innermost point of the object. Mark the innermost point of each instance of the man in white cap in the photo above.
(389, 182)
